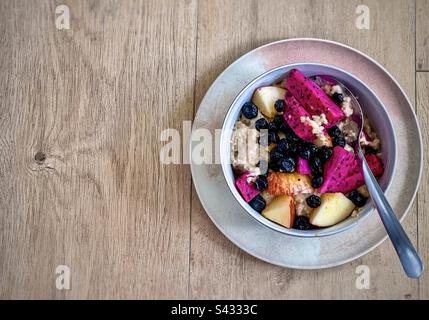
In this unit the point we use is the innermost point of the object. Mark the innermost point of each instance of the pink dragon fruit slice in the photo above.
(292, 115)
(313, 98)
(303, 167)
(354, 177)
(247, 190)
(336, 169)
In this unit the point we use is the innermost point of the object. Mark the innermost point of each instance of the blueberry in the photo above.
(279, 105)
(316, 166)
(284, 127)
(313, 201)
(276, 154)
(261, 124)
(286, 165)
(272, 127)
(302, 223)
(283, 146)
(324, 153)
(278, 120)
(316, 181)
(293, 148)
(338, 97)
(339, 141)
(261, 182)
(334, 132)
(257, 203)
(249, 110)
(272, 137)
(272, 165)
(357, 198)
(304, 151)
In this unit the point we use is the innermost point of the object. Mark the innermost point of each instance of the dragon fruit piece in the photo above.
(303, 167)
(336, 169)
(292, 115)
(313, 98)
(375, 164)
(247, 190)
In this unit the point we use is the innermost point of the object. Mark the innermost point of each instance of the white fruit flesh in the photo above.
(265, 98)
(281, 210)
(335, 207)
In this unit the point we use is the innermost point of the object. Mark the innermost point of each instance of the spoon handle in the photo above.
(406, 252)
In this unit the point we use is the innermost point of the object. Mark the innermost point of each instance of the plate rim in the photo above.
(421, 158)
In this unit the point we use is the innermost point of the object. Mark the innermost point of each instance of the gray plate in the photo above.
(286, 250)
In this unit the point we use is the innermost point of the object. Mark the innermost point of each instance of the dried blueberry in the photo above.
(258, 203)
(313, 201)
(338, 97)
(272, 137)
(286, 164)
(316, 166)
(302, 223)
(261, 124)
(276, 154)
(304, 151)
(283, 146)
(334, 132)
(272, 127)
(317, 181)
(278, 120)
(261, 182)
(324, 153)
(249, 110)
(339, 141)
(279, 105)
(357, 198)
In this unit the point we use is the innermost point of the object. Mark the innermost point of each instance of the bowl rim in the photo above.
(322, 232)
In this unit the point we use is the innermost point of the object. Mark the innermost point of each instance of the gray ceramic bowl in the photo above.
(371, 106)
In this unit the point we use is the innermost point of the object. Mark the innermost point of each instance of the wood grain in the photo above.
(423, 195)
(227, 29)
(422, 34)
(94, 100)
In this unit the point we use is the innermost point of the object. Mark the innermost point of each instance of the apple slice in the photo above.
(265, 98)
(281, 210)
(335, 207)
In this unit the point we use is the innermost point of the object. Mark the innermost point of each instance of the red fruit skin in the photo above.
(375, 164)
(313, 98)
(247, 190)
(292, 115)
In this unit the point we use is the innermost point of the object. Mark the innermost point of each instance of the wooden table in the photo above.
(81, 112)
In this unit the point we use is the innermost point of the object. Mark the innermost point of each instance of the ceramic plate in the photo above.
(286, 250)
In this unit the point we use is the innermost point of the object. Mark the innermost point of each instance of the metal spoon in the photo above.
(407, 254)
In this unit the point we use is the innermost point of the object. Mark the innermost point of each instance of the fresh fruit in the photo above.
(258, 203)
(283, 146)
(313, 201)
(265, 98)
(280, 183)
(261, 182)
(316, 166)
(286, 164)
(334, 131)
(302, 223)
(293, 114)
(313, 98)
(247, 190)
(281, 210)
(279, 105)
(335, 207)
(249, 110)
(261, 124)
(358, 199)
(338, 97)
(272, 137)
(336, 169)
(339, 141)
(317, 181)
(302, 166)
(375, 164)
(324, 153)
